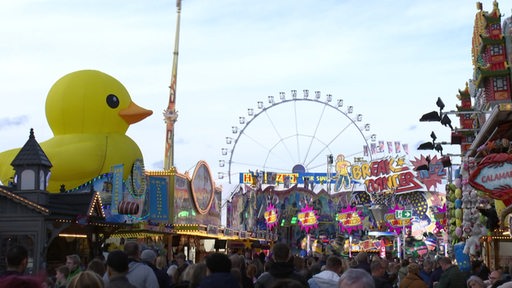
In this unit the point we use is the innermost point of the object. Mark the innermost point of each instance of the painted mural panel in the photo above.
(202, 187)
(123, 202)
(159, 198)
(184, 212)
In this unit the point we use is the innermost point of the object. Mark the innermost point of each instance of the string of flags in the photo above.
(380, 147)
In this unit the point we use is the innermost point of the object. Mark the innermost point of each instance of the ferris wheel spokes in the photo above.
(313, 133)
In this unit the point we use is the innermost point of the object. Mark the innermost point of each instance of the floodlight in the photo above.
(440, 103)
(446, 121)
(439, 148)
(430, 117)
(433, 136)
(426, 146)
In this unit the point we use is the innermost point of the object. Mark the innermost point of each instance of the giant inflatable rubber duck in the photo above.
(89, 113)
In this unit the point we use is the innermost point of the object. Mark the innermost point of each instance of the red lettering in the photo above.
(407, 183)
(247, 178)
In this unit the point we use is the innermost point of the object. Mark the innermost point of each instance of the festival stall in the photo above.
(312, 220)
(478, 199)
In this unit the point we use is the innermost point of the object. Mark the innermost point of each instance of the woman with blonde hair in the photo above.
(161, 262)
(86, 279)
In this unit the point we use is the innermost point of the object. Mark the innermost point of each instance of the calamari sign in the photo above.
(493, 175)
(349, 219)
(307, 218)
(271, 216)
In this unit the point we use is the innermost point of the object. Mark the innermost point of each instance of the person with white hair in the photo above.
(356, 278)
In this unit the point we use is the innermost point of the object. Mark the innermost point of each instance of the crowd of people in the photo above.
(133, 268)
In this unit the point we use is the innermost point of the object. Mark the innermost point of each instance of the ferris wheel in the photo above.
(290, 133)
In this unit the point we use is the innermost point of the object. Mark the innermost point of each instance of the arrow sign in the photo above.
(403, 214)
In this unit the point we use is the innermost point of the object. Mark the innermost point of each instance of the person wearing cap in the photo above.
(148, 257)
(413, 279)
(117, 267)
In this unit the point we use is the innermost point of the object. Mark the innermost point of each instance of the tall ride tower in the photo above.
(170, 114)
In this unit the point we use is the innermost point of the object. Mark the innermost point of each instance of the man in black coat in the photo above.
(218, 273)
(281, 267)
(17, 260)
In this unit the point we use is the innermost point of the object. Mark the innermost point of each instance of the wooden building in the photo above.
(49, 225)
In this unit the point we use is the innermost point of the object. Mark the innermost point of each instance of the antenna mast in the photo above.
(170, 114)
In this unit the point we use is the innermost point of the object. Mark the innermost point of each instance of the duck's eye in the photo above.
(112, 101)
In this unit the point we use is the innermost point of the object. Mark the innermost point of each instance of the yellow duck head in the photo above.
(90, 101)
(89, 113)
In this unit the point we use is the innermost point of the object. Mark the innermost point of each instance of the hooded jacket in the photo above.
(412, 280)
(324, 279)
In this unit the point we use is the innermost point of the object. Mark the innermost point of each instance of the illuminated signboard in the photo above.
(378, 176)
(349, 219)
(395, 224)
(271, 216)
(493, 175)
(307, 218)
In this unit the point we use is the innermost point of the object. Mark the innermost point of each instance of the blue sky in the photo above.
(390, 60)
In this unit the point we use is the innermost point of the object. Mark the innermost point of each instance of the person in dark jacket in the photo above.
(378, 269)
(281, 266)
(238, 262)
(361, 262)
(218, 272)
(478, 268)
(426, 271)
(452, 277)
(117, 267)
(17, 260)
(437, 271)
(148, 256)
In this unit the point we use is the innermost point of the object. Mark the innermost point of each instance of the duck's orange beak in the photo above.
(134, 113)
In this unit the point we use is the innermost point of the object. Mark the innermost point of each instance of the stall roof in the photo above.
(495, 127)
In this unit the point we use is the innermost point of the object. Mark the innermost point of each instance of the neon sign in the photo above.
(271, 216)
(349, 219)
(307, 218)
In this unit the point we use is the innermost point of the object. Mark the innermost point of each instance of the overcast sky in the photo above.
(390, 60)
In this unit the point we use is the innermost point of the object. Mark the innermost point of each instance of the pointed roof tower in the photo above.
(31, 154)
(32, 167)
